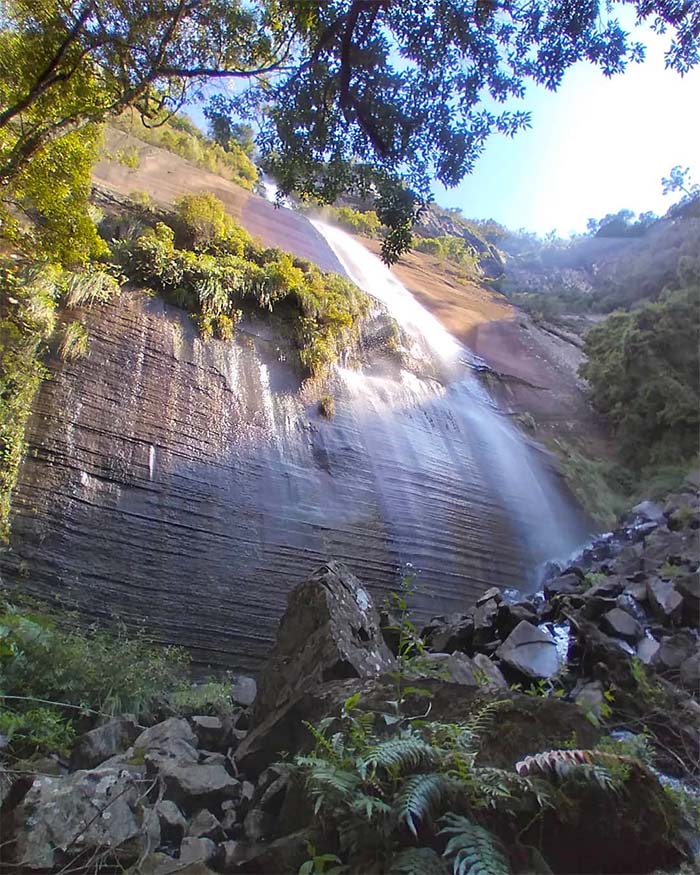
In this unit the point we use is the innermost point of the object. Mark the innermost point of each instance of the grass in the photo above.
(75, 342)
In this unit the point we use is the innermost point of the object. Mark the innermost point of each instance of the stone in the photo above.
(172, 821)
(510, 615)
(647, 649)
(609, 587)
(170, 752)
(485, 615)
(621, 625)
(566, 584)
(173, 727)
(627, 603)
(196, 850)
(688, 586)
(673, 651)
(530, 651)
(690, 673)
(244, 690)
(286, 854)
(493, 674)
(493, 593)
(591, 698)
(330, 630)
(103, 742)
(455, 667)
(258, 824)
(57, 818)
(198, 786)
(449, 633)
(204, 825)
(648, 511)
(271, 790)
(665, 601)
(211, 732)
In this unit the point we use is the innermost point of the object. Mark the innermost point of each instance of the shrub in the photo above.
(204, 219)
(142, 199)
(52, 678)
(326, 406)
(232, 275)
(91, 286)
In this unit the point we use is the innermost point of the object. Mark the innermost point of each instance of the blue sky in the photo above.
(596, 146)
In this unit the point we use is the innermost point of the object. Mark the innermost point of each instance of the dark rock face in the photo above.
(329, 631)
(192, 485)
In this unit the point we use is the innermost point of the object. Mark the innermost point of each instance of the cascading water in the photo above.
(516, 471)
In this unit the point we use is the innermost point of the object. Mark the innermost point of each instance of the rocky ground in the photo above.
(610, 646)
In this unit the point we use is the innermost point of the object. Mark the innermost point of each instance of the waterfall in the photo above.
(517, 470)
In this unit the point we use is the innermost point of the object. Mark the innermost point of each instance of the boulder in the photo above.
(244, 690)
(449, 633)
(170, 752)
(156, 736)
(258, 824)
(212, 733)
(195, 851)
(286, 854)
(688, 587)
(664, 599)
(198, 786)
(621, 625)
(172, 822)
(609, 587)
(591, 698)
(204, 825)
(329, 631)
(530, 651)
(673, 651)
(566, 584)
(648, 511)
(690, 673)
(103, 742)
(490, 671)
(455, 667)
(494, 593)
(647, 649)
(86, 812)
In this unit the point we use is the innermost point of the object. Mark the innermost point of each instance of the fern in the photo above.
(417, 861)
(473, 849)
(482, 720)
(585, 764)
(398, 755)
(420, 797)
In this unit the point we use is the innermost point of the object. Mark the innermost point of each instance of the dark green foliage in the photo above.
(232, 274)
(473, 849)
(417, 861)
(643, 369)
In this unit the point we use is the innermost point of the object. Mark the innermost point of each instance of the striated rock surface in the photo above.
(192, 485)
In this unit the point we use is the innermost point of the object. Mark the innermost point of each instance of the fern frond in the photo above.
(420, 797)
(588, 764)
(482, 719)
(370, 807)
(473, 849)
(326, 780)
(417, 861)
(399, 754)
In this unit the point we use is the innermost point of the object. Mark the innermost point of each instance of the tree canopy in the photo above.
(377, 96)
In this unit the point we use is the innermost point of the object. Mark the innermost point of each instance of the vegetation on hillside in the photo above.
(643, 369)
(207, 264)
(182, 137)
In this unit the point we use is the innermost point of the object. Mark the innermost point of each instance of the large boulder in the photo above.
(329, 631)
(74, 816)
(530, 651)
(103, 742)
